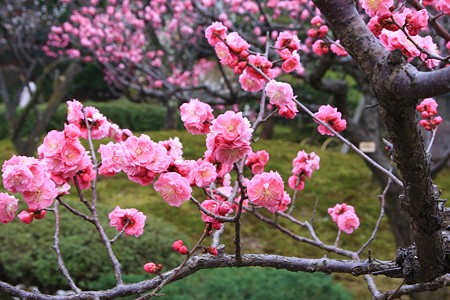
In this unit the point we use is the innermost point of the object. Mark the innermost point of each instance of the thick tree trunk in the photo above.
(398, 86)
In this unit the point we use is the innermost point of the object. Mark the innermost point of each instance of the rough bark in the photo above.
(398, 86)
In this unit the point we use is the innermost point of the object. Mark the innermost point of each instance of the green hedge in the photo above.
(26, 254)
(255, 284)
(134, 116)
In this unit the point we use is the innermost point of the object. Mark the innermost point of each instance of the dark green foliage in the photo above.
(134, 116)
(26, 254)
(255, 284)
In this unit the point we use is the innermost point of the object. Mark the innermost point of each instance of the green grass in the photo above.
(341, 178)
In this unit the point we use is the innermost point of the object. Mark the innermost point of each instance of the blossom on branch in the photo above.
(174, 188)
(428, 111)
(8, 207)
(196, 116)
(332, 117)
(345, 217)
(267, 190)
(131, 219)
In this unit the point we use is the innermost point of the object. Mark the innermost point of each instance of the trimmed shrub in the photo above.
(135, 116)
(26, 254)
(255, 284)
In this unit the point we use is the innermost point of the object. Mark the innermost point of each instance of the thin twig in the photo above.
(180, 267)
(377, 225)
(61, 265)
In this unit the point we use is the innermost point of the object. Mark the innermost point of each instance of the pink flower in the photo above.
(320, 47)
(267, 190)
(279, 93)
(196, 116)
(229, 139)
(133, 219)
(287, 40)
(257, 161)
(428, 110)
(98, 123)
(143, 152)
(296, 182)
(338, 210)
(305, 163)
(8, 208)
(337, 49)
(225, 56)
(174, 148)
(215, 32)
(332, 117)
(377, 7)
(173, 188)
(345, 217)
(42, 197)
(113, 159)
(292, 63)
(217, 208)
(251, 83)
(348, 222)
(205, 174)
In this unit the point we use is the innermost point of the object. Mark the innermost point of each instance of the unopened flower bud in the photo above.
(183, 250)
(25, 217)
(177, 245)
(39, 214)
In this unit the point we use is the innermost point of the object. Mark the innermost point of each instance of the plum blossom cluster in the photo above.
(257, 161)
(180, 247)
(254, 69)
(321, 44)
(131, 221)
(115, 33)
(332, 117)
(386, 23)
(303, 166)
(428, 111)
(30, 177)
(217, 208)
(228, 139)
(281, 95)
(196, 116)
(345, 217)
(267, 190)
(287, 45)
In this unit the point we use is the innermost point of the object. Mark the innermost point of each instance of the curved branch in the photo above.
(198, 263)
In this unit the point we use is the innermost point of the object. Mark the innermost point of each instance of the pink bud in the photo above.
(183, 250)
(177, 245)
(39, 214)
(25, 217)
(213, 251)
(151, 268)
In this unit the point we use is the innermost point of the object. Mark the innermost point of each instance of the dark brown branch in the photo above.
(197, 263)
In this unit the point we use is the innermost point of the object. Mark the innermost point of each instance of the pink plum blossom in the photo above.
(251, 83)
(267, 190)
(196, 116)
(332, 117)
(173, 188)
(257, 161)
(229, 139)
(215, 33)
(345, 217)
(217, 208)
(377, 7)
(8, 208)
(132, 219)
(205, 174)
